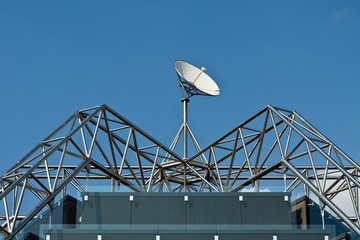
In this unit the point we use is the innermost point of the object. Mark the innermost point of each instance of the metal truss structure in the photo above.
(98, 144)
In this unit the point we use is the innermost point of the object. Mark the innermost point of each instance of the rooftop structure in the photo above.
(274, 150)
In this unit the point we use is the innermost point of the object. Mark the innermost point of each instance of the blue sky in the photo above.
(58, 57)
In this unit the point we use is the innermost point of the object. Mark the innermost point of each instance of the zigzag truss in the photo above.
(97, 145)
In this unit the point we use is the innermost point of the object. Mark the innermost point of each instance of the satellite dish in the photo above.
(196, 78)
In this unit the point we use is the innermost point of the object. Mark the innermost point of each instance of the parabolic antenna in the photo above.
(196, 78)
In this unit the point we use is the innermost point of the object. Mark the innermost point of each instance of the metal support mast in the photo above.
(185, 128)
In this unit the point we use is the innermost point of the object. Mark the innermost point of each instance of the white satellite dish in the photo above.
(195, 82)
(196, 78)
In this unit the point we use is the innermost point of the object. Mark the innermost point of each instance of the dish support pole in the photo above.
(185, 128)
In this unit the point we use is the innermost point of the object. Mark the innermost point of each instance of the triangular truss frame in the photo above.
(98, 144)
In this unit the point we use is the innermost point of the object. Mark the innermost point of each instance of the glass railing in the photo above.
(64, 231)
(44, 225)
(210, 227)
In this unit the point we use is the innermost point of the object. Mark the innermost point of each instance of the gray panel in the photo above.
(105, 210)
(83, 236)
(158, 210)
(69, 211)
(128, 237)
(266, 210)
(214, 210)
(64, 212)
(301, 237)
(246, 237)
(57, 214)
(187, 237)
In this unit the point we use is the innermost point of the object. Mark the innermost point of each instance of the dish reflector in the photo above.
(196, 77)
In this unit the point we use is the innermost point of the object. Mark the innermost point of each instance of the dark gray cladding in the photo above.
(180, 216)
(198, 208)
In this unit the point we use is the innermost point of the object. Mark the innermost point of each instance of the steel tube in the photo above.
(21, 178)
(185, 130)
(346, 173)
(336, 147)
(331, 205)
(49, 198)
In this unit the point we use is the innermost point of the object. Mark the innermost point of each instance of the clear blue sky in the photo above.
(60, 56)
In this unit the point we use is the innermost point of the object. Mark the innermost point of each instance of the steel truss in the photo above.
(98, 144)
